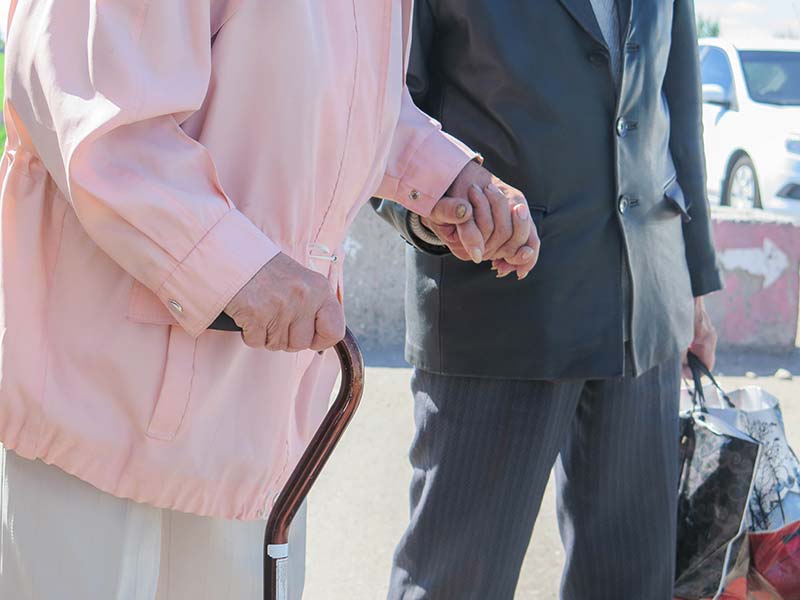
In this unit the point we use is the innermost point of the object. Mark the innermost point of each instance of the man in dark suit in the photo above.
(592, 108)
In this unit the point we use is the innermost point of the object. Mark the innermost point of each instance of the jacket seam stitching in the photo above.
(186, 256)
(139, 35)
(349, 123)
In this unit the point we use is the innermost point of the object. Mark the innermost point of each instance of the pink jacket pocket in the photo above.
(145, 307)
(176, 387)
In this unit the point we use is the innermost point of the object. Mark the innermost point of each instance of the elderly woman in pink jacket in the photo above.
(169, 160)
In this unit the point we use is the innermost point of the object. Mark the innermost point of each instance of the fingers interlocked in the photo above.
(505, 224)
(492, 223)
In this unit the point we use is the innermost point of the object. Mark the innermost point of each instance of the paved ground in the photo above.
(359, 507)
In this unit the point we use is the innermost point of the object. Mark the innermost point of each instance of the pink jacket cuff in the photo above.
(423, 163)
(431, 171)
(221, 263)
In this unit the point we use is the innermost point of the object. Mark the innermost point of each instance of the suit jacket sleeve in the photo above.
(397, 216)
(682, 87)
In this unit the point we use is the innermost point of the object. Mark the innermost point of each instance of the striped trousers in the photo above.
(482, 456)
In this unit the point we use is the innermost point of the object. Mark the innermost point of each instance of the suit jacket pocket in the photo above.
(674, 195)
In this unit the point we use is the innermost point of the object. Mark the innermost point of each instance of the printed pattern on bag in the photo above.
(776, 493)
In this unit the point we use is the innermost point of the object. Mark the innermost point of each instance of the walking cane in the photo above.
(276, 537)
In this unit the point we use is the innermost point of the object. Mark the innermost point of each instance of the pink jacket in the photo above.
(159, 153)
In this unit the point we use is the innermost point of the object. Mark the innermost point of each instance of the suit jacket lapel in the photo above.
(625, 8)
(583, 13)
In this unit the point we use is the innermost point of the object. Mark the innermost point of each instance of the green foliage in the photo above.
(2, 95)
(707, 27)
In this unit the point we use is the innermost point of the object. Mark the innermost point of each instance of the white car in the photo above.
(751, 118)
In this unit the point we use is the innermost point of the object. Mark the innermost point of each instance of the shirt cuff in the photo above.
(431, 171)
(220, 265)
(422, 233)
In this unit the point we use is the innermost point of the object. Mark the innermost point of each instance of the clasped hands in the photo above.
(481, 218)
(287, 307)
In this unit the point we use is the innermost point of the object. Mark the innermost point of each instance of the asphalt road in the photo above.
(358, 510)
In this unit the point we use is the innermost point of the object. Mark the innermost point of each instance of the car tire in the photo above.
(742, 189)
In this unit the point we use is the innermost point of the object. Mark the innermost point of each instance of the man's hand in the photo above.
(483, 218)
(704, 344)
(288, 307)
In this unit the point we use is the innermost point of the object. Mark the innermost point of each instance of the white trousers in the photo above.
(62, 539)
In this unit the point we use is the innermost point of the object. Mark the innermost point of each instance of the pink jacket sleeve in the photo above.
(423, 161)
(115, 84)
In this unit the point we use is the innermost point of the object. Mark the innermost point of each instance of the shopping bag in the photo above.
(771, 566)
(768, 567)
(775, 502)
(718, 468)
(776, 560)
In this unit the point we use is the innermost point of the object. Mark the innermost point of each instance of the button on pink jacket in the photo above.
(159, 153)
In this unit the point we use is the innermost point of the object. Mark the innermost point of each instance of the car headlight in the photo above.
(793, 145)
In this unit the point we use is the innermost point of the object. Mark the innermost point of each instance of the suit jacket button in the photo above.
(413, 195)
(624, 203)
(622, 127)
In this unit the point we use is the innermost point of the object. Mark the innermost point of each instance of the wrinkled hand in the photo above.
(482, 218)
(288, 307)
(704, 344)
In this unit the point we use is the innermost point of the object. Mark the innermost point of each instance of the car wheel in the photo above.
(741, 187)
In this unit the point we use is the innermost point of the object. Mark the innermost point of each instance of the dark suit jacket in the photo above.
(611, 175)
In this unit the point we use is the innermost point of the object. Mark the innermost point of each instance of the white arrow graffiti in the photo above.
(768, 261)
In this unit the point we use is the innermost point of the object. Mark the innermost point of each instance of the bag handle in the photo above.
(699, 369)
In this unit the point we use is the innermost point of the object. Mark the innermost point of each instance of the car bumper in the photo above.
(782, 193)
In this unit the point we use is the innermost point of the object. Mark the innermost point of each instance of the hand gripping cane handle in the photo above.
(291, 497)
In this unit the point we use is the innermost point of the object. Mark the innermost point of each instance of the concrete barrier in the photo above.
(759, 254)
(760, 257)
(374, 283)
